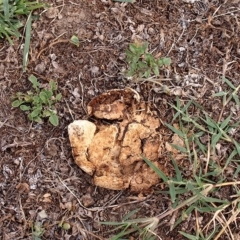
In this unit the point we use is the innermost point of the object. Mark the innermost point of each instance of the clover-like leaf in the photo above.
(43, 96)
(25, 107)
(34, 81)
(133, 48)
(53, 119)
(36, 100)
(17, 103)
(36, 112)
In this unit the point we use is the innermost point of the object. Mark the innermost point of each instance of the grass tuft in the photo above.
(197, 195)
(11, 12)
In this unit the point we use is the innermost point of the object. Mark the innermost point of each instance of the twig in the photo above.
(52, 44)
(16, 144)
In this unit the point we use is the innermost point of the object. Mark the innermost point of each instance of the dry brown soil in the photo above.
(37, 170)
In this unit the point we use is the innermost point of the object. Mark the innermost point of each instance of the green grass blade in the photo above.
(112, 223)
(175, 130)
(210, 122)
(172, 191)
(179, 110)
(228, 83)
(237, 171)
(179, 148)
(156, 169)
(130, 214)
(215, 139)
(189, 236)
(237, 145)
(27, 42)
(6, 9)
(214, 200)
(121, 234)
(178, 172)
(178, 105)
(225, 122)
(236, 99)
(233, 153)
(202, 147)
(219, 94)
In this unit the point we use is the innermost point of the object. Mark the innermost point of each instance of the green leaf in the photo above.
(172, 191)
(215, 200)
(236, 172)
(142, 65)
(175, 130)
(49, 93)
(219, 94)
(126, 217)
(25, 108)
(178, 172)
(133, 48)
(17, 103)
(53, 85)
(34, 81)
(36, 100)
(210, 122)
(27, 42)
(225, 122)
(166, 61)
(35, 113)
(160, 62)
(156, 70)
(37, 119)
(53, 119)
(179, 148)
(58, 97)
(147, 73)
(237, 145)
(149, 59)
(74, 40)
(156, 169)
(46, 113)
(189, 236)
(143, 47)
(228, 83)
(43, 96)
(6, 10)
(30, 117)
(28, 98)
(215, 139)
(235, 97)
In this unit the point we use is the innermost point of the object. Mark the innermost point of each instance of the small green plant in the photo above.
(37, 231)
(141, 63)
(10, 12)
(39, 103)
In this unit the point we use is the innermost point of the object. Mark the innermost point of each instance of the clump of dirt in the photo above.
(110, 147)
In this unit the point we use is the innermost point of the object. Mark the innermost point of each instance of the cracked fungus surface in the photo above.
(110, 146)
